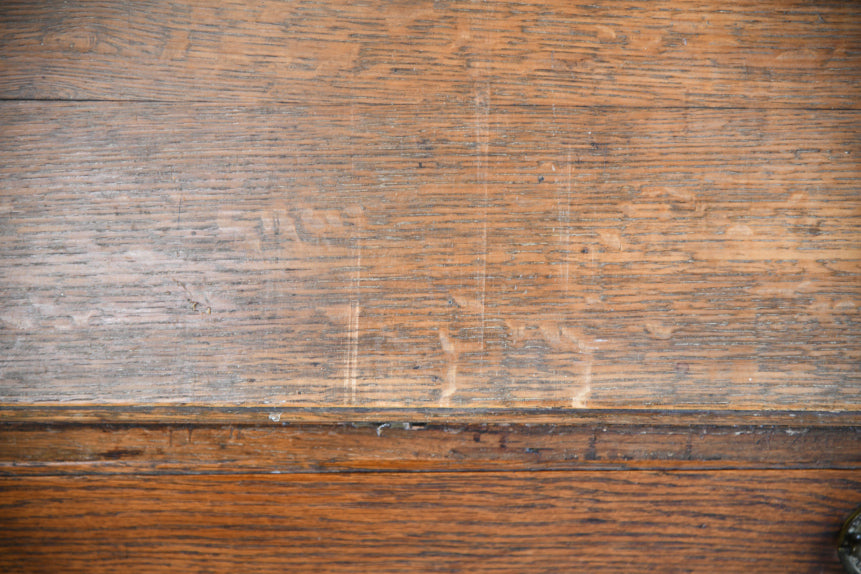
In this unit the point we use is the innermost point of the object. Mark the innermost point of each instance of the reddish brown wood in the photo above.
(752, 522)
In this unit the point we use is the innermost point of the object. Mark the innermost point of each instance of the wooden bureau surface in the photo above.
(459, 286)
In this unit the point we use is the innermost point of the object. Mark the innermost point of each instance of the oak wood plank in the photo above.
(775, 53)
(63, 449)
(407, 257)
(752, 522)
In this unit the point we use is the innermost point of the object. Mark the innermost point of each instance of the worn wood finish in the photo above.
(603, 258)
(752, 522)
(417, 257)
(31, 450)
(777, 53)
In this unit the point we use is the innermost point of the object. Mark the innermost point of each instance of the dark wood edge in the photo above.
(34, 449)
(276, 415)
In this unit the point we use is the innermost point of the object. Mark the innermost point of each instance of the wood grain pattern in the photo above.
(34, 450)
(753, 522)
(777, 53)
(631, 230)
(406, 256)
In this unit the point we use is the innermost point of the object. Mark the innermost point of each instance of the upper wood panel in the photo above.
(775, 53)
(408, 256)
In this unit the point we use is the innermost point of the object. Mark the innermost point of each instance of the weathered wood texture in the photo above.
(429, 204)
(777, 53)
(412, 256)
(32, 450)
(640, 217)
(752, 522)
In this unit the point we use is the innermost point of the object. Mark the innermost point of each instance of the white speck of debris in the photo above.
(685, 40)
(274, 417)
(381, 427)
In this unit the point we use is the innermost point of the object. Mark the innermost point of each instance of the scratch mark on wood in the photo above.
(566, 222)
(352, 360)
(451, 354)
(578, 401)
(482, 112)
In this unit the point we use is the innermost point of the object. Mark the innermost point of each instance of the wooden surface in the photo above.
(415, 257)
(429, 286)
(362, 256)
(731, 521)
(468, 205)
(771, 54)
(425, 497)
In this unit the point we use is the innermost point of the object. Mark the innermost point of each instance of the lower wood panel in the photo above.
(590, 521)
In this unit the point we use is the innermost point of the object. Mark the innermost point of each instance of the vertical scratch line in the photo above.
(481, 86)
(450, 351)
(355, 311)
(482, 112)
(348, 354)
(567, 266)
(482, 137)
(352, 354)
(352, 134)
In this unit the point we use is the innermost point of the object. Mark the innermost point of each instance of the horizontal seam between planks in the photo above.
(4, 475)
(444, 415)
